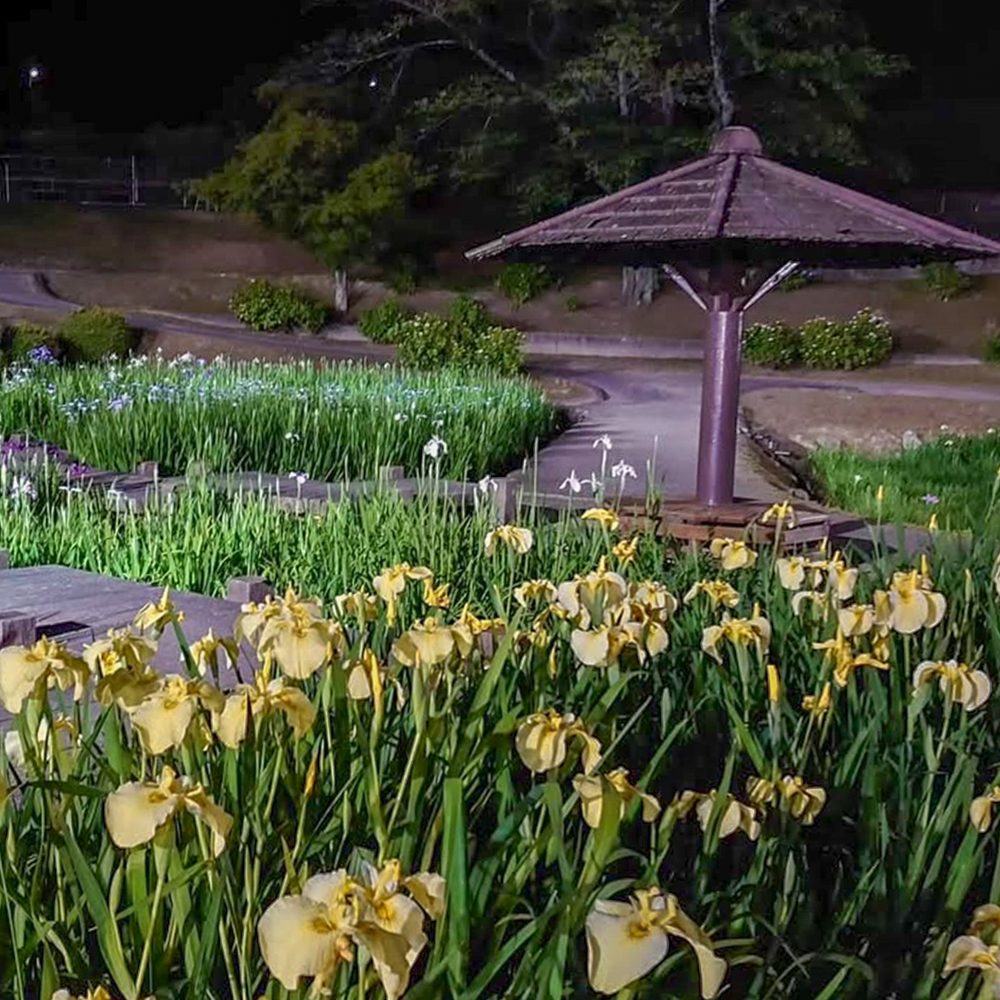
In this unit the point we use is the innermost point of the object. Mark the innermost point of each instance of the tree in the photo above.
(535, 104)
(306, 175)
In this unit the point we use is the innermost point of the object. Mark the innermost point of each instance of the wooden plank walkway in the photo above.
(78, 607)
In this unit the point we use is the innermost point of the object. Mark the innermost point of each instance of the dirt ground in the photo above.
(873, 423)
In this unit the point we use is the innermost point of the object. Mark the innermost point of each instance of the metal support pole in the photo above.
(720, 398)
(6, 181)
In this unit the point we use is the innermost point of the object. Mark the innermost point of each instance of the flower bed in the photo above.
(328, 421)
(638, 769)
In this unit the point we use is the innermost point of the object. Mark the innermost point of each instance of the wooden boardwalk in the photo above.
(78, 607)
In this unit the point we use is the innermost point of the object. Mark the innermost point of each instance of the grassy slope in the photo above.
(191, 261)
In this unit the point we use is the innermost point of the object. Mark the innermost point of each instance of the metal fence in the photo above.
(124, 180)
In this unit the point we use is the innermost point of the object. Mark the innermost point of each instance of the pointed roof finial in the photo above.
(737, 139)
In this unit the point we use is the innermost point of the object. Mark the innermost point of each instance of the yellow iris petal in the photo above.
(620, 948)
(134, 812)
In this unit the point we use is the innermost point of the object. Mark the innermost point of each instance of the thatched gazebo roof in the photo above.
(755, 209)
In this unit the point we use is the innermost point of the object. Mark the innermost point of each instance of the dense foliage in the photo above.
(945, 281)
(85, 335)
(466, 339)
(324, 421)
(859, 342)
(263, 305)
(771, 345)
(381, 323)
(522, 282)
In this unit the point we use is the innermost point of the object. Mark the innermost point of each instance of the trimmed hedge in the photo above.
(92, 334)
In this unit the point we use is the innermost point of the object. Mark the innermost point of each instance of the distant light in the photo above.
(373, 82)
(34, 72)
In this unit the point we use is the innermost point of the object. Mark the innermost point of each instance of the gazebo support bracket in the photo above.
(724, 296)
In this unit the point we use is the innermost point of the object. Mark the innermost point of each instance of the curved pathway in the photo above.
(650, 411)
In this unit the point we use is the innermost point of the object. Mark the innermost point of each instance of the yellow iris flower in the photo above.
(535, 590)
(780, 513)
(311, 935)
(516, 539)
(985, 921)
(843, 578)
(29, 671)
(590, 788)
(542, 740)
(846, 659)
(587, 598)
(295, 632)
(430, 643)
(732, 553)
(157, 615)
(139, 810)
(856, 619)
(164, 717)
(627, 940)
(970, 688)
(804, 802)
(436, 597)
(626, 550)
(357, 604)
(755, 631)
(981, 809)
(206, 651)
(818, 598)
(98, 993)
(970, 952)
(818, 705)
(58, 739)
(607, 519)
(258, 700)
(717, 591)
(390, 584)
(122, 661)
(791, 572)
(735, 814)
(912, 603)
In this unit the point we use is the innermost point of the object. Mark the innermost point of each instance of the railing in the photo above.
(126, 181)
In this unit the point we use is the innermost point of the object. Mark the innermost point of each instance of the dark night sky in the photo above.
(122, 66)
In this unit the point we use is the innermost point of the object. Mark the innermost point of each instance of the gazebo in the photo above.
(728, 228)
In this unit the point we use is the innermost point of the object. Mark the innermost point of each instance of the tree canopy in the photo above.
(527, 106)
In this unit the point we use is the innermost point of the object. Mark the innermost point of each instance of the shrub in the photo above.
(381, 323)
(466, 339)
(863, 340)
(403, 280)
(945, 281)
(771, 345)
(19, 340)
(468, 315)
(991, 347)
(92, 334)
(521, 283)
(425, 342)
(800, 278)
(262, 305)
